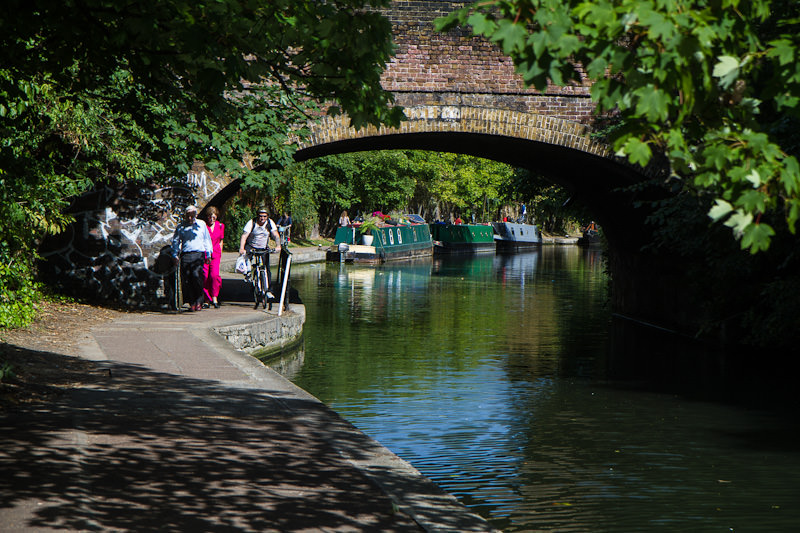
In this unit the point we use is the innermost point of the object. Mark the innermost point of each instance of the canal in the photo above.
(491, 376)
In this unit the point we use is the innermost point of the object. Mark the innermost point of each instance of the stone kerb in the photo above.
(263, 337)
(465, 119)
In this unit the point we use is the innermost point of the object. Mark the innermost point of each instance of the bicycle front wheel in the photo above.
(264, 287)
(256, 289)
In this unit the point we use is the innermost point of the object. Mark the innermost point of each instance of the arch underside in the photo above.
(557, 149)
(570, 168)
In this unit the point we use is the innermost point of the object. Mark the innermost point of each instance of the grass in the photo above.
(299, 242)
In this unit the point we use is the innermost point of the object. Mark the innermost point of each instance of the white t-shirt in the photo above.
(259, 234)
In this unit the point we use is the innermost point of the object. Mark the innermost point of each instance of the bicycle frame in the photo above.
(260, 279)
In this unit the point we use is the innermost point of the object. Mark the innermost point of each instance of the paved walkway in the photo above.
(180, 432)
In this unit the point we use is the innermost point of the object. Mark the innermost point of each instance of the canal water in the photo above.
(491, 376)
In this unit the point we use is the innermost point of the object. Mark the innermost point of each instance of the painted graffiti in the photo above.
(118, 247)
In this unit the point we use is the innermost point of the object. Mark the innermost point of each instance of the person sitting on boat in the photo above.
(344, 220)
(459, 221)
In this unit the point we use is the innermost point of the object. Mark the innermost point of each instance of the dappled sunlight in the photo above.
(146, 450)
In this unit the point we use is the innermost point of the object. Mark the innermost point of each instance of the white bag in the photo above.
(242, 265)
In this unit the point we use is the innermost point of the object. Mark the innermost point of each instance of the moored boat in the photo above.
(590, 238)
(388, 243)
(462, 238)
(511, 236)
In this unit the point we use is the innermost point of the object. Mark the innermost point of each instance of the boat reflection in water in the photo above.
(375, 292)
(493, 377)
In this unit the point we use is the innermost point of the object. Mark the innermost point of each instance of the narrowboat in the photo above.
(512, 236)
(462, 238)
(591, 236)
(387, 242)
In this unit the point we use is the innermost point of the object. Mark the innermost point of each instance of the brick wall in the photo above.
(454, 68)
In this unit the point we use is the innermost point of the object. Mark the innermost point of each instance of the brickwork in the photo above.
(428, 64)
(463, 119)
(453, 82)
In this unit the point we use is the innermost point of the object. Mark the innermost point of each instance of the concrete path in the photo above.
(181, 432)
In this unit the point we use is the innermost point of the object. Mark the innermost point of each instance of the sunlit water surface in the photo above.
(488, 374)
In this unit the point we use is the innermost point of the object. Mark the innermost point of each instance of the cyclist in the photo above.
(255, 238)
(285, 225)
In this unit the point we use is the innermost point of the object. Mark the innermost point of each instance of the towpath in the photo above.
(179, 431)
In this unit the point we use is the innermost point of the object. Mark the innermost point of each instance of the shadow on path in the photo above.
(143, 450)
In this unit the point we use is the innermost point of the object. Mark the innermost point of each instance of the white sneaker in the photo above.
(270, 295)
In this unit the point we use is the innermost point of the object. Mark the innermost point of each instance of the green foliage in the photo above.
(432, 184)
(705, 83)
(369, 224)
(95, 91)
(461, 184)
(359, 182)
(546, 202)
(738, 296)
(6, 370)
(18, 293)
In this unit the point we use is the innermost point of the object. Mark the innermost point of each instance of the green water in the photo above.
(488, 374)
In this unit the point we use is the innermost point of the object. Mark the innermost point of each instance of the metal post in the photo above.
(285, 283)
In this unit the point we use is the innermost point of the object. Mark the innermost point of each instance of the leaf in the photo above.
(739, 221)
(752, 201)
(481, 24)
(783, 50)
(512, 36)
(725, 65)
(653, 103)
(790, 175)
(754, 178)
(727, 69)
(638, 152)
(720, 209)
(757, 237)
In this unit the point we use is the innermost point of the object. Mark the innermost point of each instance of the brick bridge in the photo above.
(460, 94)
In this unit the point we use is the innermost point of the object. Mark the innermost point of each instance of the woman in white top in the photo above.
(344, 220)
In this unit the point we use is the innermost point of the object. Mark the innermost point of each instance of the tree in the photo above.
(102, 90)
(460, 184)
(709, 84)
(415, 181)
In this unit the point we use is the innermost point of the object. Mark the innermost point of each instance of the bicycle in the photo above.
(259, 277)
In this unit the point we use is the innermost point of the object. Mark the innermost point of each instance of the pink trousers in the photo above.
(213, 280)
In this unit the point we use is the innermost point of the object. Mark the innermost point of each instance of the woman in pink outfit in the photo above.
(213, 279)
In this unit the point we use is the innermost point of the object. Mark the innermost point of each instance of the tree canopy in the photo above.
(433, 184)
(712, 85)
(101, 90)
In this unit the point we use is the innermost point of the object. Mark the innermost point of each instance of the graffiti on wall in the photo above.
(118, 247)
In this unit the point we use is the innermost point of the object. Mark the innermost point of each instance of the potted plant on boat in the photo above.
(366, 228)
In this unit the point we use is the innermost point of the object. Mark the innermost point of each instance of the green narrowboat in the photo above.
(462, 238)
(386, 243)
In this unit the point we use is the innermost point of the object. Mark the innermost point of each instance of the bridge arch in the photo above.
(463, 119)
(561, 150)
